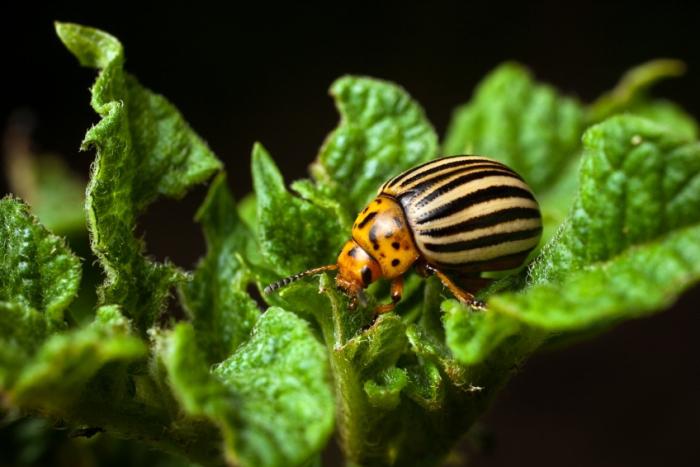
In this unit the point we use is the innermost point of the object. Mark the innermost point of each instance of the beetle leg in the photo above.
(396, 293)
(421, 268)
(459, 293)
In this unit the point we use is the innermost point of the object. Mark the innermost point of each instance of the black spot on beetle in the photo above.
(382, 255)
(376, 246)
(366, 275)
(396, 245)
(353, 252)
(395, 262)
(373, 235)
(379, 201)
(368, 218)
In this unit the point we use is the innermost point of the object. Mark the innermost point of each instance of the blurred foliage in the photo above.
(264, 384)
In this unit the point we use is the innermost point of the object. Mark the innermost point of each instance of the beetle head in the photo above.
(356, 270)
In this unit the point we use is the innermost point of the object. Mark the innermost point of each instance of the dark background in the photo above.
(628, 397)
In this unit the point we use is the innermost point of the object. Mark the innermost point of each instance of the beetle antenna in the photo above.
(293, 278)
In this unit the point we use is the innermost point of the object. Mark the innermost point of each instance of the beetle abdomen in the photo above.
(468, 213)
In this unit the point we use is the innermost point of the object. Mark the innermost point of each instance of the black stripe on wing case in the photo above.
(486, 240)
(421, 188)
(486, 220)
(459, 181)
(412, 170)
(475, 197)
(447, 165)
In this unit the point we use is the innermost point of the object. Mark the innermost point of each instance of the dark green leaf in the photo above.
(385, 390)
(382, 132)
(222, 312)
(376, 348)
(144, 149)
(59, 371)
(426, 386)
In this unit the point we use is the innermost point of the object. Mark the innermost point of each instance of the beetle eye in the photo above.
(366, 275)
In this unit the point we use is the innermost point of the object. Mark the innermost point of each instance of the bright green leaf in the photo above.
(37, 270)
(668, 114)
(627, 248)
(637, 181)
(526, 125)
(144, 149)
(640, 281)
(287, 224)
(382, 132)
(472, 336)
(248, 211)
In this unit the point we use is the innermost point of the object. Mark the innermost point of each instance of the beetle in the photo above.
(451, 215)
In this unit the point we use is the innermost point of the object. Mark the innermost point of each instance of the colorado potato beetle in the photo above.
(453, 215)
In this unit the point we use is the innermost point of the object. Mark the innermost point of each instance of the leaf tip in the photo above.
(92, 47)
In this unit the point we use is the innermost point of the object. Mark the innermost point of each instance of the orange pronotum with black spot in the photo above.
(454, 214)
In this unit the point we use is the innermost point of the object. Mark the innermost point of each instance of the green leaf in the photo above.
(627, 248)
(248, 211)
(22, 330)
(382, 132)
(642, 280)
(58, 201)
(473, 336)
(377, 348)
(222, 312)
(634, 86)
(38, 272)
(632, 95)
(294, 234)
(270, 398)
(144, 149)
(61, 368)
(637, 181)
(385, 390)
(526, 125)
(54, 192)
(668, 114)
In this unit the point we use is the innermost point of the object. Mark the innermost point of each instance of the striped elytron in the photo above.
(458, 215)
